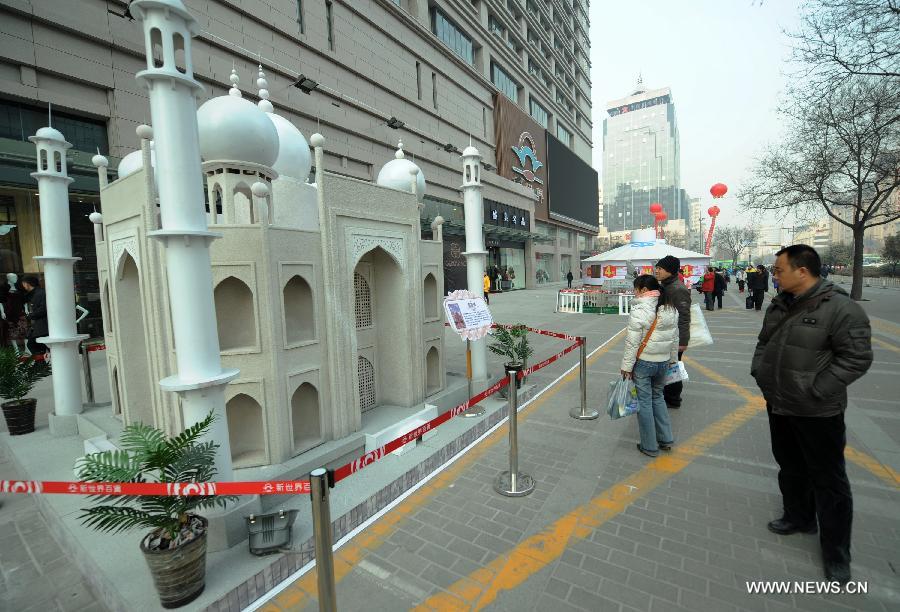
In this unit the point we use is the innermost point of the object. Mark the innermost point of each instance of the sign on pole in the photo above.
(468, 315)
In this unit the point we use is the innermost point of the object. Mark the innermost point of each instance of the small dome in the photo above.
(294, 159)
(134, 161)
(50, 134)
(96, 218)
(99, 161)
(232, 128)
(471, 151)
(398, 173)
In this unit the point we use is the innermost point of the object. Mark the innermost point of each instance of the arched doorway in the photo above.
(305, 418)
(299, 311)
(432, 371)
(429, 290)
(381, 306)
(235, 319)
(245, 431)
(134, 364)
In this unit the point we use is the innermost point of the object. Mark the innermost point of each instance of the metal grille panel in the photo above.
(366, 384)
(363, 301)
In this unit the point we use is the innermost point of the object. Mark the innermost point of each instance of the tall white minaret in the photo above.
(200, 380)
(53, 185)
(475, 253)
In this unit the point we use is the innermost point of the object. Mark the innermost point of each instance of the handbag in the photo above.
(622, 400)
(700, 334)
(749, 302)
(676, 372)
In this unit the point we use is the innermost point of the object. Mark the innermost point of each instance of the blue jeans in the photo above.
(653, 416)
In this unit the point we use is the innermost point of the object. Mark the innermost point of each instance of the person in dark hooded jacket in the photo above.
(37, 314)
(815, 341)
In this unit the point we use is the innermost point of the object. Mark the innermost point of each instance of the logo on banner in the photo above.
(647, 270)
(190, 488)
(527, 152)
(609, 271)
(687, 270)
(20, 486)
(366, 459)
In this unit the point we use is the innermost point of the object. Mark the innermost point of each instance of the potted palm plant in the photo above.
(512, 343)
(175, 548)
(17, 378)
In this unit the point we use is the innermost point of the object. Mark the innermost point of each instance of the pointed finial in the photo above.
(235, 80)
(399, 154)
(263, 85)
(49, 114)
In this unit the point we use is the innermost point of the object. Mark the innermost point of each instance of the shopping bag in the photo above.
(622, 400)
(700, 335)
(676, 372)
(748, 303)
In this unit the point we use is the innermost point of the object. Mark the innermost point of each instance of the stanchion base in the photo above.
(524, 485)
(576, 413)
(474, 411)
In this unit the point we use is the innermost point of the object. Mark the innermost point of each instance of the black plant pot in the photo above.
(19, 415)
(179, 574)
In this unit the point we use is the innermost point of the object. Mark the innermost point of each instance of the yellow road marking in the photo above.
(884, 472)
(885, 344)
(510, 570)
(887, 326)
(298, 595)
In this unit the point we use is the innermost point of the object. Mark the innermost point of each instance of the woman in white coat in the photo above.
(651, 344)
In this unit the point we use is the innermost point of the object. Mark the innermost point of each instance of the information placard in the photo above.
(468, 314)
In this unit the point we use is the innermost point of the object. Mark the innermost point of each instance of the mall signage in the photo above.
(502, 215)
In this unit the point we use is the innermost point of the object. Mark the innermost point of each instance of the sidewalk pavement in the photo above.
(610, 529)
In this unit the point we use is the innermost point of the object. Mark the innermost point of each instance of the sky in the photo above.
(725, 61)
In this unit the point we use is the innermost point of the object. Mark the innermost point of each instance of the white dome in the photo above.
(133, 162)
(397, 174)
(50, 134)
(471, 151)
(294, 158)
(95, 218)
(232, 128)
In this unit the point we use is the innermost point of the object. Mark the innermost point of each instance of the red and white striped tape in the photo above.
(46, 356)
(183, 489)
(531, 370)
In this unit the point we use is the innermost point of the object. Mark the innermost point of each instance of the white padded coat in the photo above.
(663, 344)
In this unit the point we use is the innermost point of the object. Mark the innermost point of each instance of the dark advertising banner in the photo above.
(502, 215)
(520, 154)
(454, 264)
(572, 194)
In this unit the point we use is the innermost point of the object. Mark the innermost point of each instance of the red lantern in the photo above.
(713, 211)
(718, 190)
(656, 207)
(661, 216)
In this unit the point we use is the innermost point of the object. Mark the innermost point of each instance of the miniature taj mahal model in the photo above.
(326, 299)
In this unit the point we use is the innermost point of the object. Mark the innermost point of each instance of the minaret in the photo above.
(53, 185)
(200, 380)
(475, 253)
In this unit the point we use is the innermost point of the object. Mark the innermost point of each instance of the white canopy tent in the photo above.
(641, 254)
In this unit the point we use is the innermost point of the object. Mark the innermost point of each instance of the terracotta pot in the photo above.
(19, 415)
(179, 574)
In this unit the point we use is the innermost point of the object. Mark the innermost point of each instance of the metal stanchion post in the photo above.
(476, 410)
(321, 515)
(582, 412)
(513, 483)
(86, 369)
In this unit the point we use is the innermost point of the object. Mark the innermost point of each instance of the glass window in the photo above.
(452, 36)
(543, 268)
(10, 255)
(564, 135)
(512, 262)
(19, 121)
(538, 113)
(495, 26)
(504, 82)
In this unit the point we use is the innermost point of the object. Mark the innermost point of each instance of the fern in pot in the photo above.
(17, 378)
(175, 547)
(512, 343)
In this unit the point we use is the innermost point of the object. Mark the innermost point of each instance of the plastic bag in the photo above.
(676, 372)
(622, 400)
(700, 335)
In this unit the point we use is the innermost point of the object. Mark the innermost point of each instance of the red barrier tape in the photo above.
(184, 489)
(378, 453)
(548, 361)
(46, 356)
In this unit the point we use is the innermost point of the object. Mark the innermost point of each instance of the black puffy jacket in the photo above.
(804, 366)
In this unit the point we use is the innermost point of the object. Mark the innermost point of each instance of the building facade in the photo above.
(641, 160)
(369, 73)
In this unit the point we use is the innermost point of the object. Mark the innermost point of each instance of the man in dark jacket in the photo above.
(814, 342)
(569, 278)
(667, 274)
(721, 286)
(758, 284)
(37, 314)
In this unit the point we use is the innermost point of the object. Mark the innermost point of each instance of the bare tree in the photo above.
(733, 240)
(840, 153)
(839, 39)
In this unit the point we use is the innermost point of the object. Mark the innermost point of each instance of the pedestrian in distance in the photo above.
(721, 286)
(486, 281)
(758, 284)
(569, 278)
(709, 288)
(679, 295)
(815, 341)
(651, 344)
(741, 278)
(37, 314)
